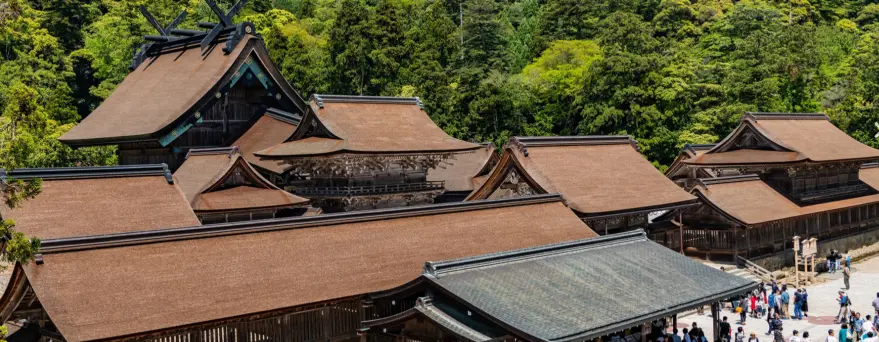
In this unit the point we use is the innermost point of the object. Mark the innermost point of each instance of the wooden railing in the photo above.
(345, 191)
(755, 269)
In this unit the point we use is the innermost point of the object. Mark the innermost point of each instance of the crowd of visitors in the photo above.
(772, 302)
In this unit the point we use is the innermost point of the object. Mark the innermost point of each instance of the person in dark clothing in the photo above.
(696, 331)
(725, 330)
(744, 305)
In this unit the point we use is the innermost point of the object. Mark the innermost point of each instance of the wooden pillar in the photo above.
(715, 323)
(644, 332)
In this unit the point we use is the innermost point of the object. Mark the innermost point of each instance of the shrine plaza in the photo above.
(822, 306)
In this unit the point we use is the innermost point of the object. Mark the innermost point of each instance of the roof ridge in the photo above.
(727, 179)
(89, 172)
(285, 116)
(695, 147)
(437, 268)
(576, 140)
(229, 151)
(756, 116)
(320, 99)
(256, 226)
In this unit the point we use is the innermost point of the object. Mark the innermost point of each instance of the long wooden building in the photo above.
(188, 89)
(291, 279)
(776, 176)
(362, 152)
(604, 179)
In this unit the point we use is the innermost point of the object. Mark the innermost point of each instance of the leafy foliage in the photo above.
(668, 72)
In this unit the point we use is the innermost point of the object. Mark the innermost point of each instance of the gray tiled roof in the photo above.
(583, 289)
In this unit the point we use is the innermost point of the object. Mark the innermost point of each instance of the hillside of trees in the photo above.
(668, 72)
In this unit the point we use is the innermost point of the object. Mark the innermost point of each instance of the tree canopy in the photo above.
(668, 72)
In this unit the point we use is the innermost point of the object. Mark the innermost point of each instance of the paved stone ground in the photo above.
(822, 306)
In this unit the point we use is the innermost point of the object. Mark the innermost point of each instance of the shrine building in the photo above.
(776, 176)
(604, 179)
(363, 152)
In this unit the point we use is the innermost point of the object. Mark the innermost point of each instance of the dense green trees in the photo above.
(668, 72)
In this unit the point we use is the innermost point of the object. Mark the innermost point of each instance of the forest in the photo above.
(668, 72)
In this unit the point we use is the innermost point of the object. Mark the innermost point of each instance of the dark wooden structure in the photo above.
(362, 152)
(289, 279)
(526, 295)
(188, 89)
(605, 179)
(778, 175)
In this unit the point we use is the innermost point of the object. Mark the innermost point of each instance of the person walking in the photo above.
(876, 304)
(785, 302)
(798, 305)
(806, 337)
(740, 335)
(686, 335)
(743, 312)
(846, 275)
(831, 262)
(831, 337)
(843, 333)
(753, 338)
(725, 330)
(805, 306)
(857, 326)
(838, 258)
(796, 337)
(843, 309)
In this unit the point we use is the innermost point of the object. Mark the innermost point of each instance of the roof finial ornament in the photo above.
(164, 35)
(225, 22)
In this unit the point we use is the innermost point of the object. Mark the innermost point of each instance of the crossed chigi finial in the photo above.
(170, 35)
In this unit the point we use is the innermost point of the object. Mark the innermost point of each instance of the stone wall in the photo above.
(859, 245)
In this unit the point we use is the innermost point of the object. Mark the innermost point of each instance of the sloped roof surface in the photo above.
(596, 177)
(115, 291)
(796, 137)
(110, 200)
(458, 173)
(579, 290)
(366, 124)
(737, 198)
(268, 131)
(156, 94)
(205, 169)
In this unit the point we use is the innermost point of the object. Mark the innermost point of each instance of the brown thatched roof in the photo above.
(366, 124)
(460, 172)
(780, 138)
(749, 200)
(271, 129)
(237, 269)
(596, 174)
(165, 90)
(99, 200)
(205, 180)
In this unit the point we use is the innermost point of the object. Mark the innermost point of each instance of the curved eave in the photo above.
(358, 152)
(507, 163)
(724, 144)
(14, 292)
(781, 164)
(632, 211)
(247, 209)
